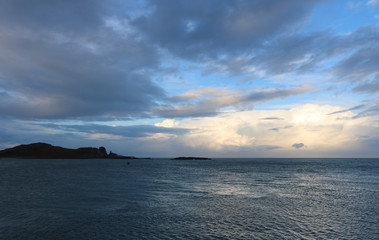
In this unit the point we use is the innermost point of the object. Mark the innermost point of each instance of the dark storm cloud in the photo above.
(40, 15)
(306, 53)
(63, 60)
(5, 134)
(298, 145)
(59, 59)
(206, 29)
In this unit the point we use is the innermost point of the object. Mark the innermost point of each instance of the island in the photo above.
(191, 158)
(47, 151)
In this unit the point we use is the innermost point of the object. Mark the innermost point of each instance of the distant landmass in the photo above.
(191, 158)
(44, 150)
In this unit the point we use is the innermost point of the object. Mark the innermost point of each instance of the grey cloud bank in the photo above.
(68, 60)
(94, 62)
(202, 29)
(60, 60)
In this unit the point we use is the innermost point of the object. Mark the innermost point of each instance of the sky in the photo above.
(213, 78)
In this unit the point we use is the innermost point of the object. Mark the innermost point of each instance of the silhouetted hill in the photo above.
(44, 150)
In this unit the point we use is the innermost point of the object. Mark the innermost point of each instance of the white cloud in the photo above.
(249, 131)
(168, 123)
(372, 2)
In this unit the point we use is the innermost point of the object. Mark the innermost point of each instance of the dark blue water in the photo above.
(165, 199)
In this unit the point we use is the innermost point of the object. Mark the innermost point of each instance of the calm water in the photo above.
(165, 199)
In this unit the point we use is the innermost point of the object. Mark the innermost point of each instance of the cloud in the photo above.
(272, 118)
(307, 52)
(360, 65)
(257, 96)
(209, 101)
(91, 59)
(60, 60)
(368, 87)
(371, 109)
(274, 129)
(133, 131)
(224, 135)
(67, 67)
(350, 56)
(372, 2)
(225, 36)
(228, 132)
(298, 145)
(347, 110)
(200, 93)
(207, 29)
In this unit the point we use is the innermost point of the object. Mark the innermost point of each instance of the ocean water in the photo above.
(166, 199)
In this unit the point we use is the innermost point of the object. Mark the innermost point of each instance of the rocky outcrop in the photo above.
(44, 150)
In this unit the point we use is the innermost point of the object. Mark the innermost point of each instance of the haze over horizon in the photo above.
(213, 78)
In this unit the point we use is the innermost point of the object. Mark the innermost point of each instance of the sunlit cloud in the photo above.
(210, 101)
(249, 131)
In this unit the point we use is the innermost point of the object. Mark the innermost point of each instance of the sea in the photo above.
(258, 198)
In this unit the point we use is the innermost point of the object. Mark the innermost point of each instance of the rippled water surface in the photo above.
(165, 199)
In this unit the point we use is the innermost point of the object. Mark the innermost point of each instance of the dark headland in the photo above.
(44, 150)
